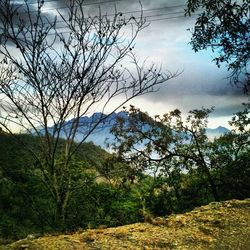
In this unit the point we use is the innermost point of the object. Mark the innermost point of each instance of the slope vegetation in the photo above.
(219, 225)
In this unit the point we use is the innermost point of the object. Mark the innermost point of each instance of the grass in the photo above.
(217, 226)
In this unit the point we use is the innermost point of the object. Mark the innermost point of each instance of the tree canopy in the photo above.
(171, 146)
(224, 26)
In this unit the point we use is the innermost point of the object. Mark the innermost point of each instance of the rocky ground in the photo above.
(219, 225)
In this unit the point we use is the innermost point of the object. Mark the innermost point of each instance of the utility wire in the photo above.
(145, 16)
(130, 12)
(153, 20)
(168, 18)
(61, 8)
(149, 16)
(56, 1)
(95, 3)
(154, 9)
(125, 13)
(100, 3)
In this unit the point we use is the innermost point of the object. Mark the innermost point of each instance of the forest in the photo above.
(55, 69)
(161, 165)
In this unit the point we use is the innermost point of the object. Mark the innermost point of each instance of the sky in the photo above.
(166, 42)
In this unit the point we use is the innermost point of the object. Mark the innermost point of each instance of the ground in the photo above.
(219, 225)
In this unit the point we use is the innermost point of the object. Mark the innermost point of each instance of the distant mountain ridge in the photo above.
(216, 132)
(102, 134)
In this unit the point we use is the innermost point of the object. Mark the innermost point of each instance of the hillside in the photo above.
(26, 205)
(219, 225)
(12, 151)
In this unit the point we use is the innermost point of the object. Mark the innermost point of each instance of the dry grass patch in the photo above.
(219, 225)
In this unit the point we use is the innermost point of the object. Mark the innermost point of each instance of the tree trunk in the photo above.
(60, 214)
(61, 208)
(212, 184)
(59, 219)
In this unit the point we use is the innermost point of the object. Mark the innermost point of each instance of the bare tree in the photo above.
(53, 70)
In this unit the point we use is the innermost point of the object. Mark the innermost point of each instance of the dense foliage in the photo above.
(224, 27)
(162, 165)
(187, 168)
(101, 190)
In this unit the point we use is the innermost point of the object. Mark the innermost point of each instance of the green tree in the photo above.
(58, 68)
(26, 206)
(168, 145)
(224, 26)
(230, 158)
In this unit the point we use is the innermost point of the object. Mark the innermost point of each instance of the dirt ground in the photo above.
(219, 225)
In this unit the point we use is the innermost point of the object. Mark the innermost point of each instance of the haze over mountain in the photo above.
(102, 135)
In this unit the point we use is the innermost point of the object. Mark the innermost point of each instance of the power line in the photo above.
(167, 18)
(66, 7)
(154, 20)
(145, 16)
(146, 10)
(149, 16)
(171, 13)
(55, 1)
(130, 12)
(124, 13)
(101, 3)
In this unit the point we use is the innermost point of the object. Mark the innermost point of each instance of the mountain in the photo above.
(101, 134)
(13, 152)
(216, 132)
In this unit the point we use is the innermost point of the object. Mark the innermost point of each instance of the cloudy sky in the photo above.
(165, 42)
(201, 83)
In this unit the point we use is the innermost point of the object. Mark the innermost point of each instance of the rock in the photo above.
(30, 237)
(24, 246)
